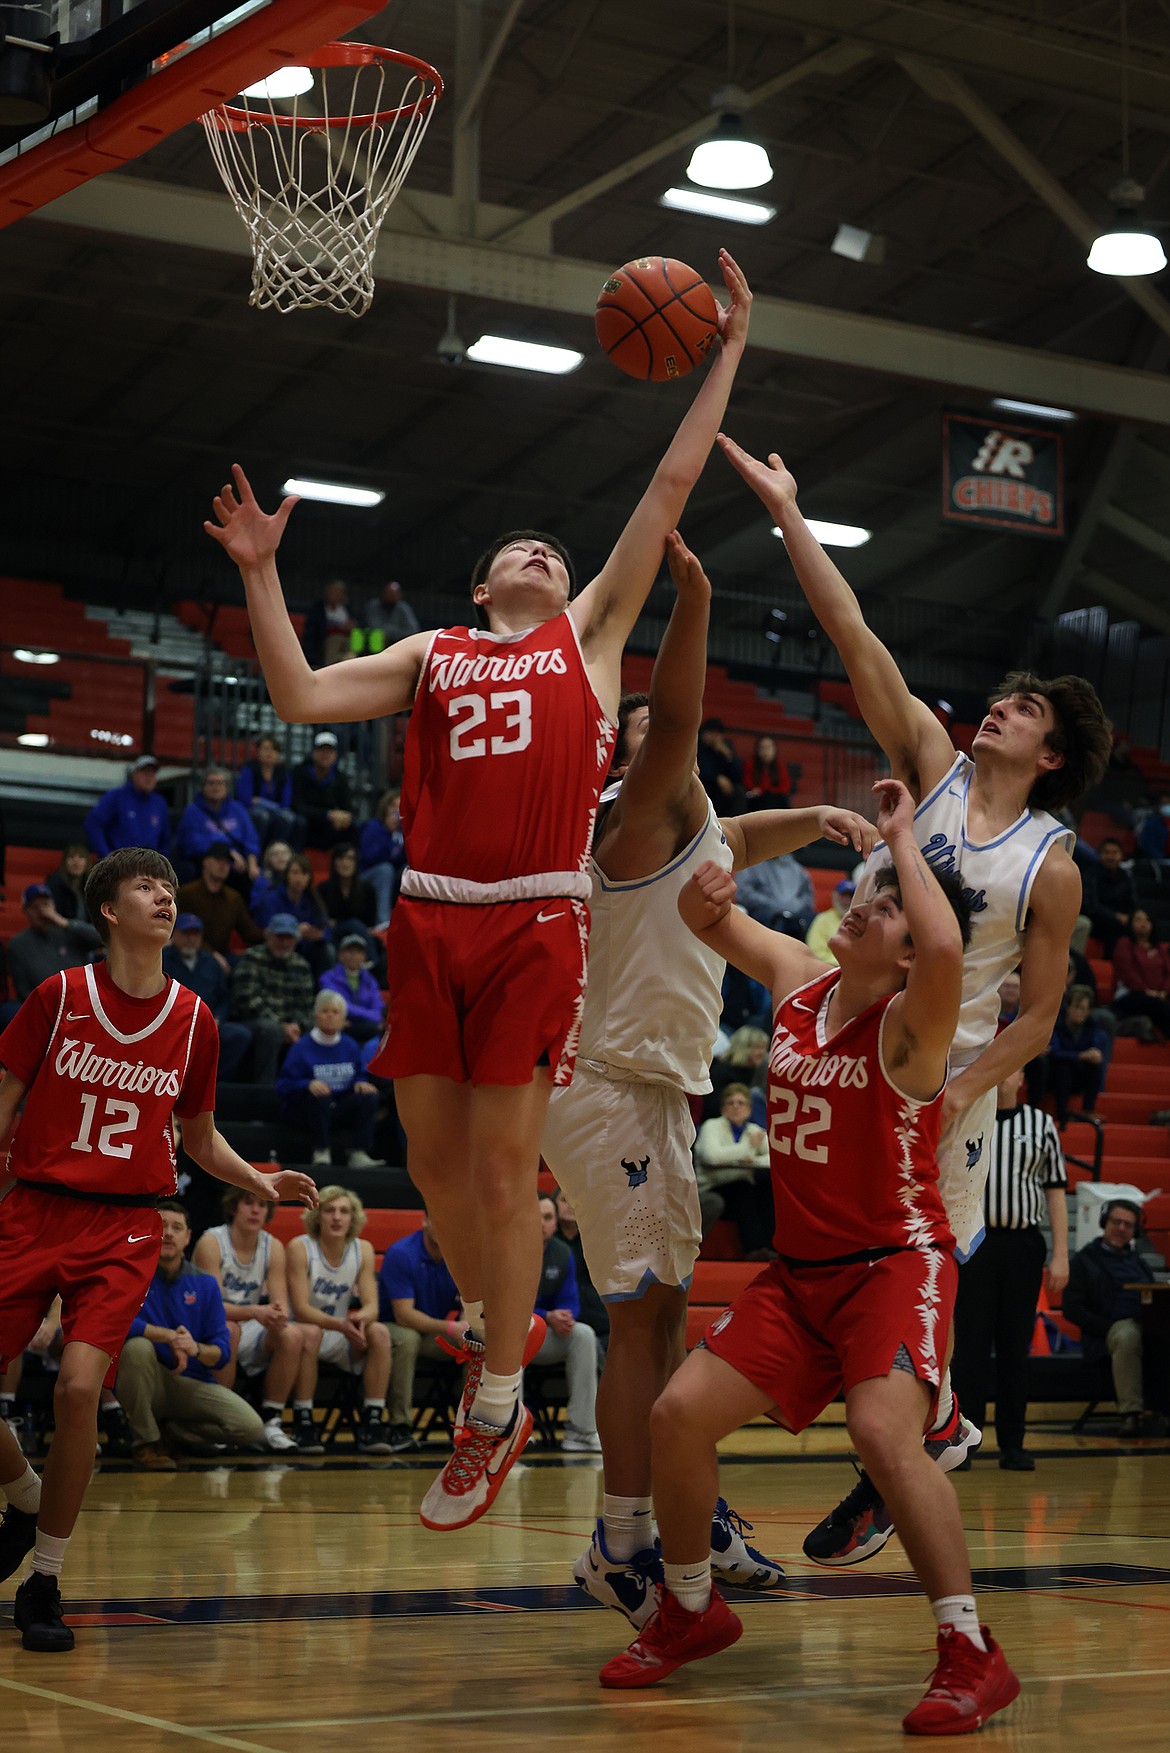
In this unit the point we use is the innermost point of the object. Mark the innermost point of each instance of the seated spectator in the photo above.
(357, 986)
(347, 898)
(186, 961)
(1154, 832)
(273, 866)
(388, 617)
(248, 1265)
(328, 625)
(720, 768)
(1096, 1300)
(766, 779)
(324, 1088)
(744, 1062)
(178, 1338)
(731, 1160)
(264, 787)
(745, 1004)
(382, 855)
(1109, 895)
(330, 1268)
(825, 924)
(1143, 975)
(67, 883)
(299, 898)
(416, 1297)
(779, 893)
(272, 992)
(213, 819)
(220, 907)
(593, 1311)
(568, 1340)
(43, 948)
(321, 795)
(130, 814)
(1077, 1056)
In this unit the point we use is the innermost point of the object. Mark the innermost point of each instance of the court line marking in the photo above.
(656, 1700)
(212, 1736)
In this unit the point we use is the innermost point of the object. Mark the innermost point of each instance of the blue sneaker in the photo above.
(733, 1560)
(625, 1584)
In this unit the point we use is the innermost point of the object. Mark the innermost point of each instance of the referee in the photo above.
(1000, 1284)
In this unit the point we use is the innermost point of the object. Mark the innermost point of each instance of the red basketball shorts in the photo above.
(802, 1333)
(99, 1258)
(484, 995)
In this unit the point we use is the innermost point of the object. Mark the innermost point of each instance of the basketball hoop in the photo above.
(313, 189)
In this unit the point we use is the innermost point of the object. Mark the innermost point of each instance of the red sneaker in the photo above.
(471, 1352)
(968, 1686)
(468, 1484)
(672, 1637)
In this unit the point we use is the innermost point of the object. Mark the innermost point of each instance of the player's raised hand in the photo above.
(686, 569)
(287, 1184)
(847, 828)
(895, 809)
(771, 481)
(249, 535)
(708, 897)
(733, 317)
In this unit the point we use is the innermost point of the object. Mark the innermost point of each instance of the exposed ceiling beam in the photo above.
(1154, 542)
(469, 105)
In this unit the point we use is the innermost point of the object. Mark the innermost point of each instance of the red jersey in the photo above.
(507, 750)
(853, 1159)
(104, 1073)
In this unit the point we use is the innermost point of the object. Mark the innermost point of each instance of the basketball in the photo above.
(656, 318)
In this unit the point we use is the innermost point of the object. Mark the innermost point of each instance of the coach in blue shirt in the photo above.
(130, 814)
(416, 1295)
(179, 1337)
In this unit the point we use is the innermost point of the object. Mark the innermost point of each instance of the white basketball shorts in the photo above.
(253, 1358)
(335, 1350)
(964, 1157)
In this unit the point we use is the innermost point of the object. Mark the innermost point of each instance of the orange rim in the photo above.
(231, 116)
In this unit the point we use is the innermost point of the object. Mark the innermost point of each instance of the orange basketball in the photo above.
(656, 318)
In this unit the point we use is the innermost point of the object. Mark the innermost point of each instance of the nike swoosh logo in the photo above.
(146, 1238)
(543, 918)
(82, 1016)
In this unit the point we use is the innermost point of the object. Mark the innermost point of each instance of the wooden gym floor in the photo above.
(277, 1608)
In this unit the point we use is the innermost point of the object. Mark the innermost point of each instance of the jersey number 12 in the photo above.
(120, 1117)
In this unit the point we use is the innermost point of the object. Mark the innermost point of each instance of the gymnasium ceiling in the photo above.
(978, 138)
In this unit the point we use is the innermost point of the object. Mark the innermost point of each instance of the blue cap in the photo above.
(36, 892)
(188, 922)
(283, 925)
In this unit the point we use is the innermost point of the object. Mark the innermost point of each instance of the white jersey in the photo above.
(998, 878)
(332, 1288)
(654, 994)
(243, 1281)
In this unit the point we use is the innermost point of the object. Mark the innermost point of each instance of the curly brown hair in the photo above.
(1082, 734)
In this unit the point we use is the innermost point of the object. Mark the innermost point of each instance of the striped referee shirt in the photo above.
(1025, 1159)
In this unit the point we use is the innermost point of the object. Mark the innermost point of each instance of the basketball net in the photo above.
(313, 177)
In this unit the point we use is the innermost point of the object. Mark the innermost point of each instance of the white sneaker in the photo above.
(321, 1159)
(276, 1437)
(577, 1441)
(733, 1560)
(625, 1584)
(361, 1159)
(468, 1484)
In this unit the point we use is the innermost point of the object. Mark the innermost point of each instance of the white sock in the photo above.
(626, 1521)
(690, 1584)
(473, 1315)
(495, 1398)
(946, 1406)
(961, 1614)
(302, 1406)
(373, 1406)
(50, 1554)
(24, 1493)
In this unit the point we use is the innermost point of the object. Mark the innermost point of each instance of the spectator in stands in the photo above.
(186, 961)
(1009, 1000)
(330, 1268)
(593, 1311)
(248, 1265)
(416, 1297)
(720, 768)
(568, 1340)
(43, 948)
(220, 907)
(321, 794)
(388, 617)
(328, 625)
(745, 1061)
(1097, 1301)
(298, 896)
(130, 814)
(825, 924)
(272, 992)
(324, 1087)
(766, 780)
(382, 855)
(348, 899)
(215, 819)
(1077, 1056)
(264, 787)
(1142, 968)
(178, 1338)
(731, 1160)
(779, 893)
(1109, 896)
(67, 883)
(273, 866)
(357, 986)
(1154, 834)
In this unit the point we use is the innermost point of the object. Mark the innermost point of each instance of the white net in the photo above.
(312, 177)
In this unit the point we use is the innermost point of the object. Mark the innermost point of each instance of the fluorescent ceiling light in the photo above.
(1037, 410)
(527, 355)
(858, 245)
(718, 206)
(23, 656)
(729, 160)
(33, 739)
(1127, 254)
(833, 535)
(331, 493)
(285, 82)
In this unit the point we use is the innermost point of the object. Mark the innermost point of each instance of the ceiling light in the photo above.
(858, 245)
(1127, 251)
(285, 82)
(23, 656)
(527, 355)
(331, 493)
(833, 535)
(729, 159)
(718, 206)
(1037, 410)
(33, 739)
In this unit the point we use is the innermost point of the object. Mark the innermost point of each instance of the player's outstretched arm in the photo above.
(707, 905)
(608, 607)
(771, 833)
(915, 743)
(924, 1016)
(359, 688)
(208, 1147)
